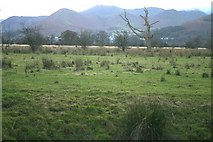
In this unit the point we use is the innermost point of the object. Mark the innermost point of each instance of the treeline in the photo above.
(181, 36)
(84, 38)
(122, 39)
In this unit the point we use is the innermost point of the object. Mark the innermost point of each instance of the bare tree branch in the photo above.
(134, 30)
(139, 32)
(154, 23)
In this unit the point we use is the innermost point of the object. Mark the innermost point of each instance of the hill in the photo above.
(102, 11)
(174, 18)
(65, 19)
(99, 18)
(15, 23)
(199, 28)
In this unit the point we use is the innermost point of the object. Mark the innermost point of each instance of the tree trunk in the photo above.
(148, 44)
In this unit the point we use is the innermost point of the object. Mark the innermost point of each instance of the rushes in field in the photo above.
(205, 75)
(6, 63)
(105, 64)
(79, 64)
(31, 67)
(143, 122)
(49, 63)
(177, 72)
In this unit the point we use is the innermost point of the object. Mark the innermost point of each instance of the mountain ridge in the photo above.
(99, 18)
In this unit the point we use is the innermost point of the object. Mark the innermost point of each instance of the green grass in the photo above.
(65, 104)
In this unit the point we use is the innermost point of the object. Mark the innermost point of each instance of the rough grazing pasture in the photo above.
(67, 96)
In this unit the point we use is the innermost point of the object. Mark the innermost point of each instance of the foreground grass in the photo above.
(90, 104)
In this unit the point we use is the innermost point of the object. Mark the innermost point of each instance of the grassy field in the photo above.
(72, 97)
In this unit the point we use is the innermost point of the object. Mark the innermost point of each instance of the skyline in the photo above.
(10, 8)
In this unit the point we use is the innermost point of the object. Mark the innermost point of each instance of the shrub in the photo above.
(48, 63)
(6, 63)
(143, 122)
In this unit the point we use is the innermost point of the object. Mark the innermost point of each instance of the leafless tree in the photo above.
(32, 37)
(69, 38)
(102, 38)
(121, 40)
(146, 34)
(85, 39)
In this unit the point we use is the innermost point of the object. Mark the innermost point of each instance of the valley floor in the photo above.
(72, 97)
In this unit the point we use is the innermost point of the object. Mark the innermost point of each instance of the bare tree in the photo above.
(102, 38)
(32, 37)
(146, 34)
(121, 40)
(69, 37)
(85, 39)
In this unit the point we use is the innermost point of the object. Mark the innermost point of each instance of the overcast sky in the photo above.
(46, 7)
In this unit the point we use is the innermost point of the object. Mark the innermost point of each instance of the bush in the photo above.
(49, 63)
(6, 63)
(143, 122)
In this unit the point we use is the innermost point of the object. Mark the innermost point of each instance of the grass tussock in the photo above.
(105, 64)
(143, 121)
(79, 64)
(6, 63)
(49, 64)
(32, 67)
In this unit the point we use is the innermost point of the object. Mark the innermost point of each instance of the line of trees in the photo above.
(134, 37)
(33, 37)
(121, 39)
